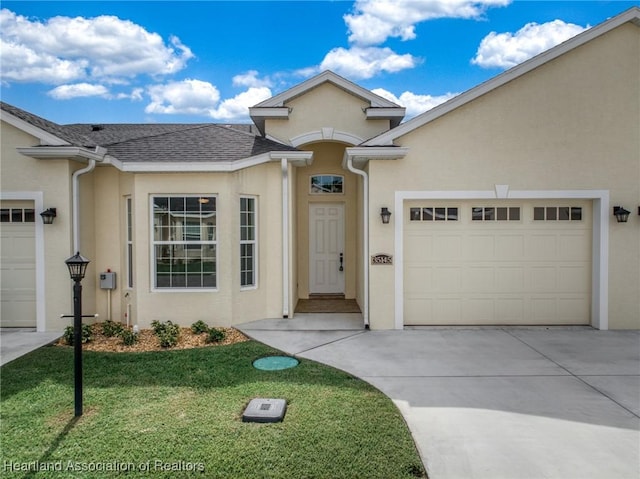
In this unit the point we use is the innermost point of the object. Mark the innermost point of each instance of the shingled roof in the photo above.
(160, 142)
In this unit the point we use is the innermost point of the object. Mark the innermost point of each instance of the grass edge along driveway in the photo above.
(179, 414)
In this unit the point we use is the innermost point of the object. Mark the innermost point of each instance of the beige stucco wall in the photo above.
(326, 106)
(570, 124)
(19, 173)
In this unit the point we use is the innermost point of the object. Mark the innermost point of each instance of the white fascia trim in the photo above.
(385, 113)
(38, 204)
(632, 15)
(76, 153)
(326, 134)
(600, 249)
(210, 167)
(274, 112)
(45, 137)
(360, 155)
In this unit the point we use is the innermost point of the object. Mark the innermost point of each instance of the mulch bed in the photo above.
(148, 341)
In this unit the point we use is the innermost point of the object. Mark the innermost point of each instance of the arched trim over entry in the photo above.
(326, 134)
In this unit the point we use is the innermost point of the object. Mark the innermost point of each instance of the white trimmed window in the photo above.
(184, 242)
(326, 184)
(129, 258)
(248, 242)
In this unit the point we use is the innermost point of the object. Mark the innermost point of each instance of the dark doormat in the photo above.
(327, 306)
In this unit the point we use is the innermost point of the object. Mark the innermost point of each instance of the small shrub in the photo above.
(87, 334)
(199, 327)
(129, 338)
(167, 333)
(215, 335)
(111, 328)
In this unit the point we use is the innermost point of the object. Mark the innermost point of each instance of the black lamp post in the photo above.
(77, 268)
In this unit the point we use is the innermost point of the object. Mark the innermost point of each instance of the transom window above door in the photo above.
(327, 184)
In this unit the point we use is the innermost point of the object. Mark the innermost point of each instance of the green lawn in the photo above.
(179, 414)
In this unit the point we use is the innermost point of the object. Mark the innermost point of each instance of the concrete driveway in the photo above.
(493, 402)
(16, 342)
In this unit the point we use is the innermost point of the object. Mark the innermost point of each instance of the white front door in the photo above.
(326, 248)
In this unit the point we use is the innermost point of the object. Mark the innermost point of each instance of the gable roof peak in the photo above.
(327, 76)
(275, 107)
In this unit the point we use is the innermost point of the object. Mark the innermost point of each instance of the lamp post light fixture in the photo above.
(385, 214)
(77, 268)
(621, 214)
(48, 215)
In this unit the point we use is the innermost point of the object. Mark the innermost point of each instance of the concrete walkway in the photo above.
(16, 342)
(494, 403)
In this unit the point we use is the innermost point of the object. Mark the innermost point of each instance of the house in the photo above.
(501, 203)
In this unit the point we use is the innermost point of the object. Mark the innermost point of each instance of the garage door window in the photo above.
(557, 213)
(17, 215)
(433, 214)
(490, 213)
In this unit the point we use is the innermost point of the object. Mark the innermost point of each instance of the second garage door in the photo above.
(500, 262)
(17, 264)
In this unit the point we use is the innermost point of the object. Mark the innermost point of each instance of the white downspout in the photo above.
(75, 185)
(284, 165)
(365, 234)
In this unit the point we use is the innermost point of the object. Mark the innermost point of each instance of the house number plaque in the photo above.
(381, 258)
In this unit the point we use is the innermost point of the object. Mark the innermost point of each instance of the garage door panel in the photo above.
(421, 247)
(480, 247)
(447, 310)
(573, 279)
(510, 278)
(510, 311)
(448, 279)
(573, 309)
(479, 278)
(449, 247)
(482, 310)
(418, 309)
(499, 271)
(543, 279)
(510, 247)
(572, 247)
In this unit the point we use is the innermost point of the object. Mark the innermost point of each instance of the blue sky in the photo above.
(208, 61)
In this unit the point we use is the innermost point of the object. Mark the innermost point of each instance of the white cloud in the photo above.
(195, 97)
(22, 64)
(63, 49)
(363, 63)
(250, 79)
(415, 104)
(67, 92)
(237, 108)
(505, 50)
(191, 97)
(374, 21)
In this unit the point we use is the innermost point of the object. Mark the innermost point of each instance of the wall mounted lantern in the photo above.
(621, 214)
(48, 215)
(385, 214)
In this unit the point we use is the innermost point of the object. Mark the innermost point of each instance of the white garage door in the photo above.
(18, 265)
(497, 262)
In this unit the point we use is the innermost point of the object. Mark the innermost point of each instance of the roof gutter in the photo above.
(75, 185)
(76, 153)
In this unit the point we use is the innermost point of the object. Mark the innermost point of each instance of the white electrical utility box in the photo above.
(108, 280)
